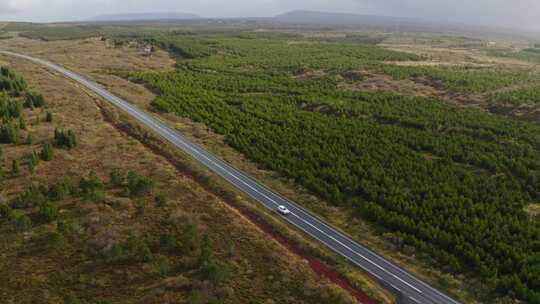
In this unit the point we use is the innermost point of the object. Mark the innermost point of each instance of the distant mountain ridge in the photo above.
(146, 17)
(315, 17)
(296, 17)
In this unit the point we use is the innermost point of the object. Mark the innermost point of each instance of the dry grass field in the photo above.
(454, 56)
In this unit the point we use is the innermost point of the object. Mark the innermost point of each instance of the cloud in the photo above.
(10, 6)
(516, 13)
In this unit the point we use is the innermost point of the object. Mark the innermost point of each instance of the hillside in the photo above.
(314, 17)
(145, 17)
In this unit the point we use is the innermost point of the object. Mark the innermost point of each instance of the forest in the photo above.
(452, 182)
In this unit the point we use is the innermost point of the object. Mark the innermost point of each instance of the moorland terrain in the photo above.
(423, 146)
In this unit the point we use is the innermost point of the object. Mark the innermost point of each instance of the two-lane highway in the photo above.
(401, 282)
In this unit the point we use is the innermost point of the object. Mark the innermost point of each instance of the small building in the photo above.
(148, 50)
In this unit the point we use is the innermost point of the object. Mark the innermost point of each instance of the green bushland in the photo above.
(527, 54)
(11, 82)
(524, 96)
(452, 182)
(14, 96)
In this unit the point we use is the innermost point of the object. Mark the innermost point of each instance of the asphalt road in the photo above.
(408, 287)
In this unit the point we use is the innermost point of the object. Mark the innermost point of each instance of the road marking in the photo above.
(414, 300)
(358, 254)
(394, 286)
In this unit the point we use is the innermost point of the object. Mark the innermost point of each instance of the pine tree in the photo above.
(116, 178)
(139, 185)
(15, 167)
(47, 153)
(22, 123)
(71, 140)
(8, 134)
(33, 162)
(63, 139)
(160, 200)
(34, 100)
(31, 167)
(207, 251)
(49, 117)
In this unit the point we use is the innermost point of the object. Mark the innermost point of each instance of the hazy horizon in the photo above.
(521, 14)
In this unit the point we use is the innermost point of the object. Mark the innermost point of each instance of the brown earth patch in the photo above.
(436, 63)
(421, 87)
(372, 82)
(311, 74)
(89, 55)
(453, 56)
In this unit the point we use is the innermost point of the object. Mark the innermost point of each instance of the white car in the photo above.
(283, 210)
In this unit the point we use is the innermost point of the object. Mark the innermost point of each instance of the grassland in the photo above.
(429, 167)
(71, 235)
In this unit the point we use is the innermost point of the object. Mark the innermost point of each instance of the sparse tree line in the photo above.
(15, 97)
(89, 188)
(41, 204)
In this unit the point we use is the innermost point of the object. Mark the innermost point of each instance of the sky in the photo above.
(501, 13)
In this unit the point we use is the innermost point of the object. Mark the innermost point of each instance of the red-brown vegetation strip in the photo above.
(316, 264)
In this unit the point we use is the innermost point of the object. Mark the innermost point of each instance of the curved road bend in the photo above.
(408, 287)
